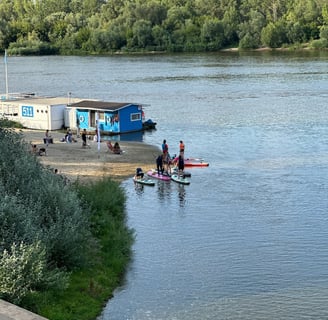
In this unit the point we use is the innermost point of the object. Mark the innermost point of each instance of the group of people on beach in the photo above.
(116, 149)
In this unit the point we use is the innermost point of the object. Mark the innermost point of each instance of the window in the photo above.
(101, 115)
(135, 116)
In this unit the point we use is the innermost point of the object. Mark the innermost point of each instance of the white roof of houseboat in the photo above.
(41, 100)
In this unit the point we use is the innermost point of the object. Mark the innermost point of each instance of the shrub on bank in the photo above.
(91, 286)
(63, 248)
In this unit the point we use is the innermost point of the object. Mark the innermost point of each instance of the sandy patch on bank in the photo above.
(76, 162)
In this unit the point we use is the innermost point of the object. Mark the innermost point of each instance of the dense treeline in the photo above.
(63, 246)
(104, 26)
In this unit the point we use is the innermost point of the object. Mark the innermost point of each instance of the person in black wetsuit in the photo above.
(159, 164)
(84, 138)
(180, 165)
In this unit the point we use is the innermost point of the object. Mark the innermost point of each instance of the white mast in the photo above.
(6, 74)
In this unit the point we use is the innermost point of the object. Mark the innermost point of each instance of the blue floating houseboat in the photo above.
(113, 117)
(54, 113)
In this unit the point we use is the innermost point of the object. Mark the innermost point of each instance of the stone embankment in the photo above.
(9, 311)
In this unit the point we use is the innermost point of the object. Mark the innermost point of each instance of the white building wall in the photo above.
(70, 118)
(34, 116)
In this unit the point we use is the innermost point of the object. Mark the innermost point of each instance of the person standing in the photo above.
(47, 138)
(84, 138)
(181, 165)
(159, 164)
(181, 147)
(165, 147)
(165, 150)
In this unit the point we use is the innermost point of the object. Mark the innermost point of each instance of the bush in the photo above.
(319, 44)
(23, 269)
(40, 212)
(32, 47)
(52, 210)
(48, 228)
(6, 123)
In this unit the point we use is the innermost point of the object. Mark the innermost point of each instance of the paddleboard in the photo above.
(145, 181)
(179, 179)
(185, 173)
(154, 174)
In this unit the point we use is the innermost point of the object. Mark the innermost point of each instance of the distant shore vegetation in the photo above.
(75, 27)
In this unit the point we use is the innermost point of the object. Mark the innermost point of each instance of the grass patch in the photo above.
(108, 257)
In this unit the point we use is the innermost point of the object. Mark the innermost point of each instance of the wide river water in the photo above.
(248, 238)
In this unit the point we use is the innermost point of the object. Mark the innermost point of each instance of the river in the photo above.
(248, 238)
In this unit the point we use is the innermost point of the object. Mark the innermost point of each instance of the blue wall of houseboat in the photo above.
(126, 115)
(127, 119)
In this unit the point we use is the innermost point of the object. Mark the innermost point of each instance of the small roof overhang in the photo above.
(100, 105)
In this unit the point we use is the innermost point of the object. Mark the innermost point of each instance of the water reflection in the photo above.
(182, 195)
(132, 136)
(139, 188)
(163, 190)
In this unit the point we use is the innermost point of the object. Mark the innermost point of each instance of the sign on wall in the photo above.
(27, 111)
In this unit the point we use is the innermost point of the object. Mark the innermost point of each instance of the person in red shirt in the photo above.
(181, 147)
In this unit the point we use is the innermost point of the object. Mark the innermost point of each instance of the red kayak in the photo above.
(194, 162)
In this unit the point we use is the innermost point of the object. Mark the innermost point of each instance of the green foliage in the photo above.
(31, 47)
(274, 35)
(63, 248)
(99, 26)
(91, 286)
(23, 269)
(40, 211)
(212, 34)
(324, 32)
(6, 123)
(319, 44)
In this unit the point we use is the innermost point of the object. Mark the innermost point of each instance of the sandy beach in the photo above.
(85, 164)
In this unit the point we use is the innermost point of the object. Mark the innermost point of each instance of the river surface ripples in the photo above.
(248, 238)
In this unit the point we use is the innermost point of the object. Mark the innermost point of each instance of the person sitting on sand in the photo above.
(38, 151)
(69, 136)
(110, 146)
(34, 149)
(117, 148)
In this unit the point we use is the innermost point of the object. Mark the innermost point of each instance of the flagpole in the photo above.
(98, 132)
(6, 73)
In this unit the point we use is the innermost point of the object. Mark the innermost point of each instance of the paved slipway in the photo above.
(9, 311)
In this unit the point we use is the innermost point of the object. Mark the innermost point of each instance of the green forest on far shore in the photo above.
(108, 26)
